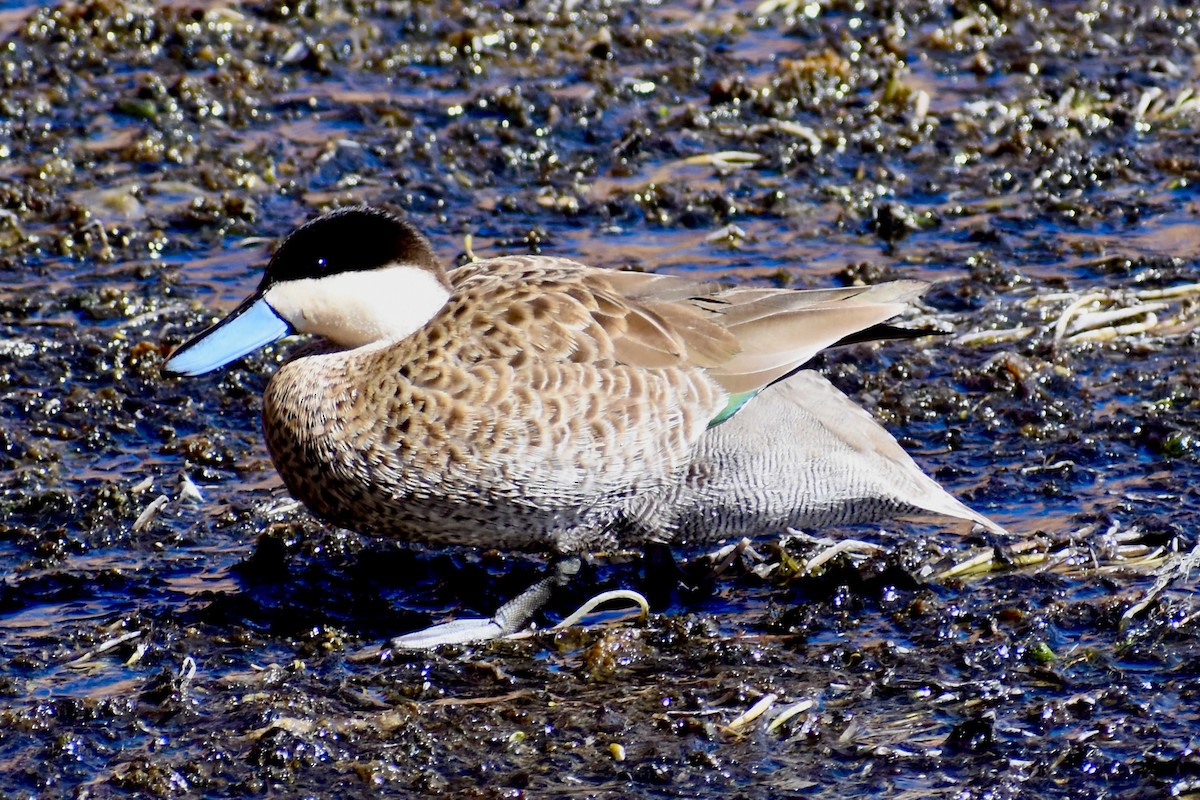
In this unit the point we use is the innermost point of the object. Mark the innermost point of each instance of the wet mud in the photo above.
(171, 625)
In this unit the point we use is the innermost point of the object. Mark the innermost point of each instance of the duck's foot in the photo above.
(508, 619)
(662, 576)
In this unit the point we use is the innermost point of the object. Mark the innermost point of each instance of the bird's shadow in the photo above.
(384, 589)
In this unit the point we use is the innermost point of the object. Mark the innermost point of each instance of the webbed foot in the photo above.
(508, 619)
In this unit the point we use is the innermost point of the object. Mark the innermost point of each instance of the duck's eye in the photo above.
(322, 263)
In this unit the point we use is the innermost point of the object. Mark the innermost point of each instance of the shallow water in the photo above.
(149, 156)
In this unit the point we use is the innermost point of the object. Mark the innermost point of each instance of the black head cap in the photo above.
(353, 239)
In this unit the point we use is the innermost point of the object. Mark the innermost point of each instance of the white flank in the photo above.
(352, 309)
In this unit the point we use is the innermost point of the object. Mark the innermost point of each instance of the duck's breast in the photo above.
(513, 453)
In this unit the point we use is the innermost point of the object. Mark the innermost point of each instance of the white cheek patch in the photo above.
(352, 309)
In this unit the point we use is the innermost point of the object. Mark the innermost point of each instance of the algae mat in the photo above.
(172, 626)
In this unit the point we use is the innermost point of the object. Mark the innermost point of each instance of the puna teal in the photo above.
(537, 403)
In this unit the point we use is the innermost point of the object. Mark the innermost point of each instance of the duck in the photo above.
(531, 402)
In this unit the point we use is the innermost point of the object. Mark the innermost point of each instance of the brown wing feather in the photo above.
(744, 338)
(658, 332)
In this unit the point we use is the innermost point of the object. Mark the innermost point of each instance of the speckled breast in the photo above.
(472, 456)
